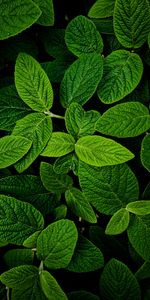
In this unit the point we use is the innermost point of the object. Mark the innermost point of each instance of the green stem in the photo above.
(41, 266)
(7, 288)
(49, 113)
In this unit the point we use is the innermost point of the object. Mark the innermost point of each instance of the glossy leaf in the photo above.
(118, 222)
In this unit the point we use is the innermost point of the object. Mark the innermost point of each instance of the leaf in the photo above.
(53, 182)
(109, 188)
(26, 14)
(141, 207)
(118, 282)
(80, 205)
(81, 79)
(131, 22)
(144, 271)
(11, 108)
(145, 152)
(39, 134)
(60, 212)
(124, 120)
(102, 9)
(122, 73)
(118, 222)
(55, 69)
(78, 122)
(82, 295)
(149, 40)
(31, 241)
(56, 244)
(18, 217)
(60, 144)
(64, 164)
(104, 25)
(86, 258)
(99, 151)
(47, 17)
(50, 287)
(12, 148)
(17, 257)
(32, 83)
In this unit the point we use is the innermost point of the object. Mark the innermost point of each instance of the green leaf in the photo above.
(55, 69)
(64, 164)
(141, 207)
(124, 120)
(86, 258)
(56, 244)
(118, 222)
(118, 282)
(81, 79)
(60, 212)
(99, 151)
(26, 14)
(80, 205)
(122, 73)
(102, 9)
(82, 295)
(39, 134)
(144, 271)
(32, 83)
(17, 257)
(145, 152)
(50, 287)
(104, 25)
(149, 40)
(18, 217)
(109, 188)
(47, 17)
(12, 148)
(60, 144)
(31, 241)
(53, 182)
(132, 22)
(78, 122)
(81, 36)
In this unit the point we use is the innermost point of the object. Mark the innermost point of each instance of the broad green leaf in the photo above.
(79, 122)
(124, 120)
(52, 181)
(80, 205)
(39, 134)
(31, 241)
(86, 258)
(118, 282)
(60, 144)
(17, 257)
(55, 69)
(144, 271)
(118, 222)
(64, 164)
(145, 152)
(102, 9)
(26, 14)
(81, 36)
(122, 73)
(11, 108)
(109, 188)
(56, 244)
(12, 148)
(141, 207)
(50, 287)
(81, 79)
(139, 235)
(104, 25)
(18, 217)
(100, 151)
(82, 295)
(60, 212)
(32, 83)
(47, 17)
(132, 22)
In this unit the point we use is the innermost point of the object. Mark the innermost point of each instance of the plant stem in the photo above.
(7, 289)
(49, 113)
(41, 266)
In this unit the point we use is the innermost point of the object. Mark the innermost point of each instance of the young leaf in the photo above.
(122, 73)
(109, 188)
(60, 144)
(50, 287)
(26, 14)
(47, 17)
(102, 9)
(145, 152)
(32, 83)
(99, 151)
(81, 36)
(17, 216)
(39, 134)
(82, 295)
(56, 244)
(81, 79)
(140, 208)
(12, 148)
(118, 222)
(118, 282)
(131, 22)
(124, 120)
(17, 257)
(80, 205)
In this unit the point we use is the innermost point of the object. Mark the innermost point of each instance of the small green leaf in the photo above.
(122, 73)
(32, 83)
(102, 9)
(31, 241)
(144, 271)
(145, 152)
(141, 207)
(60, 212)
(17, 257)
(99, 151)
(82, 295)
(50, 287)
(47, 17)
(81, 36)
(118, 222)
(56, 244)
(64, 164)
